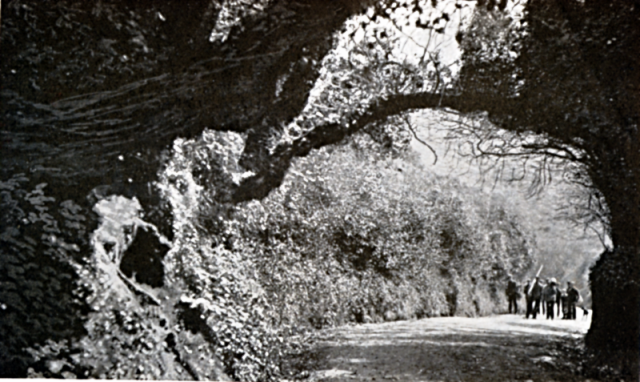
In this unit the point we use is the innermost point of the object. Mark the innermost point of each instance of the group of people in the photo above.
(545, 296)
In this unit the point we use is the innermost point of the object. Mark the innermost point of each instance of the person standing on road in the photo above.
(512, 295)
(558, 299)
(565, 305)
(550, 294)
(573, 297)
(536, 296)
(543, 301)
(527, 297)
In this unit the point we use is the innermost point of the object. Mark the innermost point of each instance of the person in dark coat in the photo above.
(565, 305)
(528, 299)
(543, 304)
(573, 296)
(550, 294)
(559, 299)
(512, 295)
(536, 296)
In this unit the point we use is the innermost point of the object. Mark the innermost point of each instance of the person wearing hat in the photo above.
(573, 297)
(550, 295)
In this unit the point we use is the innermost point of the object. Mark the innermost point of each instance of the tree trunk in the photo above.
(615, 278)
(615, 325)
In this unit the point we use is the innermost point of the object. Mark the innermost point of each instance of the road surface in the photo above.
(497, 348)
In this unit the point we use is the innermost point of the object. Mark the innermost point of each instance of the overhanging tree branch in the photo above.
(271, 174)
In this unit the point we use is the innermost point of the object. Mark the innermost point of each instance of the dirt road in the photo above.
(498, 348)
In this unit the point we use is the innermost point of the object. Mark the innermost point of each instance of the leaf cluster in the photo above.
(42, 297)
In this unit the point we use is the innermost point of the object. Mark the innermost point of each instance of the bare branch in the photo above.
(408, 122)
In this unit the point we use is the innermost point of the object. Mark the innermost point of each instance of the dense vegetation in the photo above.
(352, 235)
(346, 238)
(358, 227)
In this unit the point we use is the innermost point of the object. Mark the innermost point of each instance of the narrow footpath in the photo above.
(497, 348)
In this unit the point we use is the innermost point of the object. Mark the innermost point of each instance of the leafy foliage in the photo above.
(227, 304)
(378, 239)
(129, 329)
(343, 240)
(41, 297)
